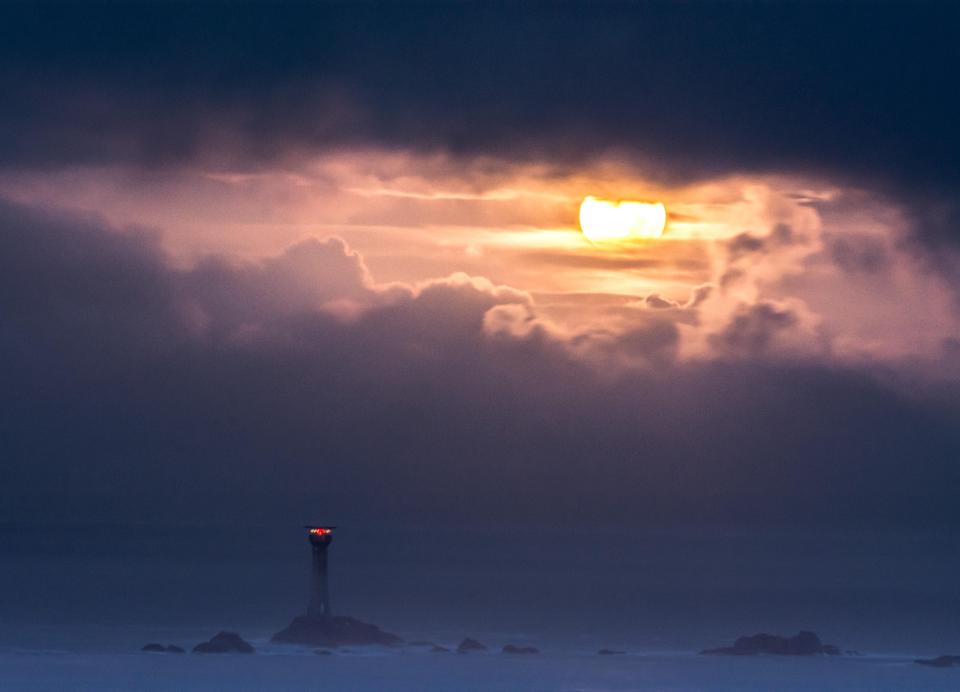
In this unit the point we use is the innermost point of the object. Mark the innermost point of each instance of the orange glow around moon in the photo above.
(605, 221)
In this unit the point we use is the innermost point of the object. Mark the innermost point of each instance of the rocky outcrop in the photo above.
(161, 649)
(610, 652)
(802, 644)
(224, 643)
(512, 649)
(468, 645)
(338, 630)
(939, 661)
(437, 649)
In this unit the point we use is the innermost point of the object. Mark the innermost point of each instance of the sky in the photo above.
(256, 260)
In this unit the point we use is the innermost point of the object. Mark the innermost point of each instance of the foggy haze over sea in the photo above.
(97, 592)
(661, 589)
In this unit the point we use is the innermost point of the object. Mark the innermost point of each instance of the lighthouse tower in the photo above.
(320, 538)
(318, 626)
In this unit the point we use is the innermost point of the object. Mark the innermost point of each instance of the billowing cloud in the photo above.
(138, 388)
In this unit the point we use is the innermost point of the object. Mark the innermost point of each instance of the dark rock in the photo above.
(323, 652)
(224, 643)
(803, 644)
(421, 643)
(610, 652)
(161, 649)
(437, 649)
(468, 645)
(939, 661)
(338, 630)
(511, 649)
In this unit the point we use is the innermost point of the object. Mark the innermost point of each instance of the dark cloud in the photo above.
(692, 90)
(135, 390)
(699, 294)
(744, 244)
(730, 276)
(655, 300)
(864, 254)
(782, 234)
(753, 328)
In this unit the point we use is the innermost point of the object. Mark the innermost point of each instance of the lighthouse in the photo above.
(318, 626)
(320, 538)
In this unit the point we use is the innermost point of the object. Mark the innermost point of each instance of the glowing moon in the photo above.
(605, 221)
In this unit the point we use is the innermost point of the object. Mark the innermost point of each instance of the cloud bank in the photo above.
(137, 389)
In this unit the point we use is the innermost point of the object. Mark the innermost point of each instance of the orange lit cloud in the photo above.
(746, 267)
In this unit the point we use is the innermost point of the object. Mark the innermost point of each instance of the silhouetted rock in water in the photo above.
(422, 643)
(161, 649)
(468, 645)
(224, 643)
(338, 630)
(323, 652)
(939, 661)
(803, 644)
(610, 652)
(439, 650)
(511, 649)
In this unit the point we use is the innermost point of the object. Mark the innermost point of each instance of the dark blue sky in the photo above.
(859, 88)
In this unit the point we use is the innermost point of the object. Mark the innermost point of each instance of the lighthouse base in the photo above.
(337, 630)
